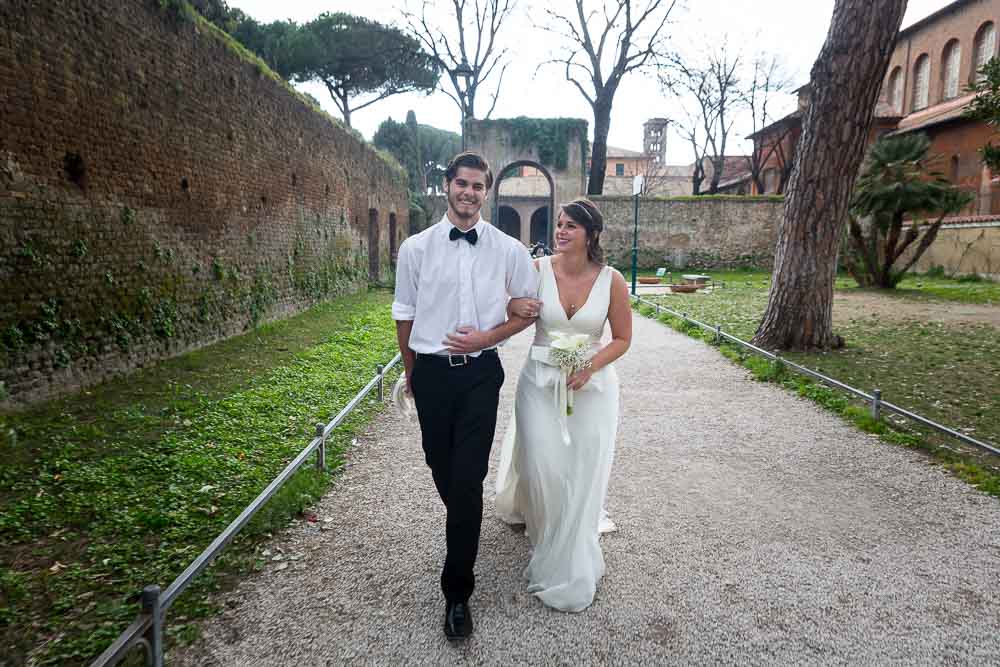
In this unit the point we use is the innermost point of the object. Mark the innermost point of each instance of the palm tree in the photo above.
(894, 185)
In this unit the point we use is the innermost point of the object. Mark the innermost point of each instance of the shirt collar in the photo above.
(480, 225)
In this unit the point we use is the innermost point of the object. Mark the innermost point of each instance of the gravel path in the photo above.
(754, 528)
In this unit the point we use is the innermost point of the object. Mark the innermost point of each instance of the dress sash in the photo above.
(549, 373)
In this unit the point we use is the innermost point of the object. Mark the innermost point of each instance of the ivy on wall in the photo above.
(551, 137)
(178, 302)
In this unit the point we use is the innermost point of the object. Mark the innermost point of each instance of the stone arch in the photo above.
(509, 221)
(540, 226)
(508, 170)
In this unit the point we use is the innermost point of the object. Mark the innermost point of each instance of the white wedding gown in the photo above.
(557, 489)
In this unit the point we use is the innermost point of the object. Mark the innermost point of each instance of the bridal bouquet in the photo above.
(569, 353)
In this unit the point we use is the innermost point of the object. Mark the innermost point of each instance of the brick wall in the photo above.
(710, 232)
(159, 191)
(958, 21)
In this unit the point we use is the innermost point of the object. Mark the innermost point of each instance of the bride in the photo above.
(554, 466)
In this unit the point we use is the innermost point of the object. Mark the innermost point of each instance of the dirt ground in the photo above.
(856, 305)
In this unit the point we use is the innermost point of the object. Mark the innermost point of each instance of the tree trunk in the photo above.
(599, 151)
(718, 165)
(346, 109)
(845, 84)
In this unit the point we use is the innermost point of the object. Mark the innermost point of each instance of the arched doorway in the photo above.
(540, 226)
(373, 243)
(512, 169)
(509, 222)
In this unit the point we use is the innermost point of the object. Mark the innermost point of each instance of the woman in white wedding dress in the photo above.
(554, 467)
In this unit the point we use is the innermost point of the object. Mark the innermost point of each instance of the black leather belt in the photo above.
(457, 360)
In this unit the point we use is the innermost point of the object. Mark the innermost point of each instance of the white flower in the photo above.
(570, 342)
(569, 353)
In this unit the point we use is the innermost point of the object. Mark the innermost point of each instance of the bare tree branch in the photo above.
(496, 95)
(469, 42)
(585, 38)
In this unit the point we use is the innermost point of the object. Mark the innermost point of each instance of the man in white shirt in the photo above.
(453, 281)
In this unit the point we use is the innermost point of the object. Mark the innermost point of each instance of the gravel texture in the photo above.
(753, 528)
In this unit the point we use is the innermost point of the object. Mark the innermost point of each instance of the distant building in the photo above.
(654, 139)
(924, 91)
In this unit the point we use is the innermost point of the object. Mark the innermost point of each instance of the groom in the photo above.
(453, 281)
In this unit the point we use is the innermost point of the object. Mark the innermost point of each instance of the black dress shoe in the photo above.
(457, 621)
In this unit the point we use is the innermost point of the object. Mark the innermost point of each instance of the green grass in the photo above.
(930, 287)
(965, 289)
(124, 484)
(949, 372)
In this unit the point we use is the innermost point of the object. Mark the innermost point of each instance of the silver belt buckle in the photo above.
(455, 360)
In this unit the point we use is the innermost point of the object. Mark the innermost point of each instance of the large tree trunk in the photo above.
(599, 151)
(845, 84)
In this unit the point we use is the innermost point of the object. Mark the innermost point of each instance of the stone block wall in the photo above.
(962, 249)
(160, 189)
(707, 232)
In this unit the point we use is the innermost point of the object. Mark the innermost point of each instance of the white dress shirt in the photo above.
(442, 284)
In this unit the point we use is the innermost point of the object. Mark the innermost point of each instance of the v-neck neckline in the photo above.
(569, 318)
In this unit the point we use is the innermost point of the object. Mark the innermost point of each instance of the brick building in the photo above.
(933, 62)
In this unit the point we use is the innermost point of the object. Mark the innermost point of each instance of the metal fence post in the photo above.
(154, 635)
(381, 382)
(877, 404)
(321, 450)
(657, 308)
(718, 334)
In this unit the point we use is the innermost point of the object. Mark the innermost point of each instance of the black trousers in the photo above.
(457, 408)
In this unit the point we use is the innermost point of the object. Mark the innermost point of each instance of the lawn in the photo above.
(124, 484)
(924, 350)
(966, 289)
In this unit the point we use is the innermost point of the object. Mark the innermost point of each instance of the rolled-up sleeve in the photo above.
(522, 277)
(404, 304)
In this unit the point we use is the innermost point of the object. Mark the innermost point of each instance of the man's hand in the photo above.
(525, 307)
(467, 340)
(409, 382)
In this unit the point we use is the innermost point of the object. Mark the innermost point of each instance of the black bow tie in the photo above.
(471, 236)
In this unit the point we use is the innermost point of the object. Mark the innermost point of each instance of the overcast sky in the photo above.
(793, 29)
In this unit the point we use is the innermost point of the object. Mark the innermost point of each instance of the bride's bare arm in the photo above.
(620, 319)
(524, 307)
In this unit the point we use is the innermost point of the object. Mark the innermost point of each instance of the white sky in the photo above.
(793, 29)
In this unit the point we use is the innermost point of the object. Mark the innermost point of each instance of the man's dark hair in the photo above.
(472, 161)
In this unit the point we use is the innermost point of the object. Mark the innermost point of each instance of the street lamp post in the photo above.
(463, 71)
(636, 192)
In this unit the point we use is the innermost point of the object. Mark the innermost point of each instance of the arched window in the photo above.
(921, 81)
(951, 60)
(895, 95)
(984, 48)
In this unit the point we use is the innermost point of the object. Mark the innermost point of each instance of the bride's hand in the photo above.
(525, 307)
(577, 380)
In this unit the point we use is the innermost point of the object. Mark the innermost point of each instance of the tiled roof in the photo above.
(935, 115)
(615, 151)
(794, 117)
